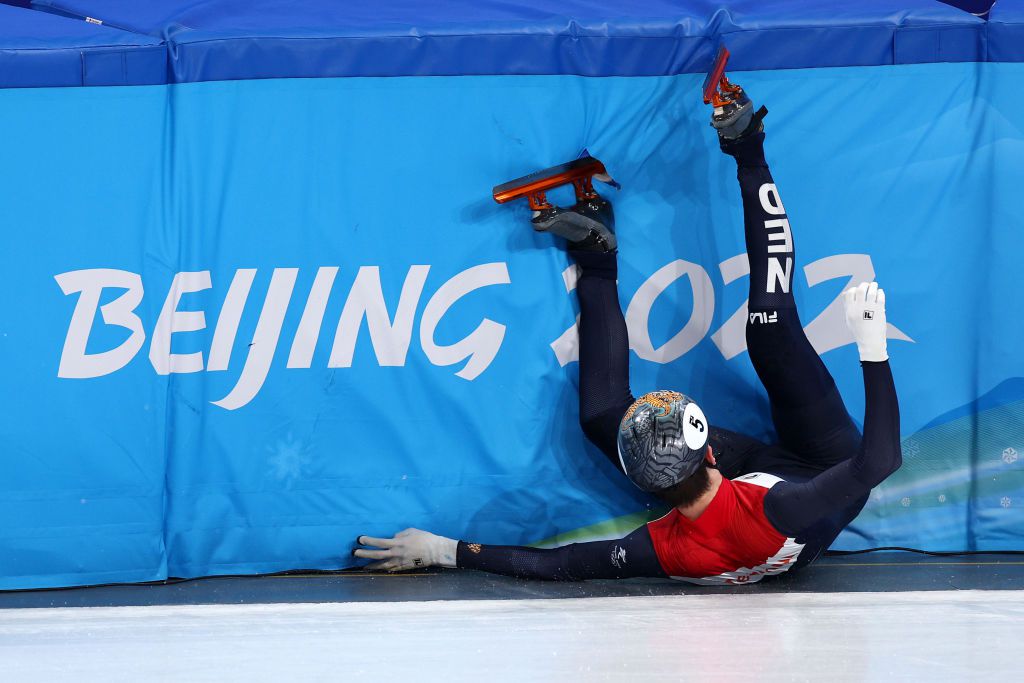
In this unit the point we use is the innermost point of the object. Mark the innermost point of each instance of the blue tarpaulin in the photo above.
(1006, 32)
(241, 39)
(269, 305)
(42, 50)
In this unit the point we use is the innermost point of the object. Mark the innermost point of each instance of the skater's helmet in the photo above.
(662, 440)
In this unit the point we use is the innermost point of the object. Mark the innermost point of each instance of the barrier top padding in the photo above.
(40, 50)
(1006, 32)
(240, 39)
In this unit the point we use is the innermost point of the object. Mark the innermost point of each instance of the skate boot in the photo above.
(733, 117)
(736, 117)
(589, 224)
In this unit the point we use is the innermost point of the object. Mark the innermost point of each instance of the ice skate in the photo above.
(589, 224)
(733, 117)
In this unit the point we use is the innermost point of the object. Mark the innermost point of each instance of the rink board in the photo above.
(245, 321)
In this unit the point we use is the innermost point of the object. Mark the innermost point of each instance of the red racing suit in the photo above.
(731, 542)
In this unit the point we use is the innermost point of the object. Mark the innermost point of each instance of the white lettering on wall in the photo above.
(639, 311)
(481, 345)
(826, 332)
(389, 337)
(390, 340)
(301, 355)
(75, 363)
(172, 320)
(264, 340)
(567, 346)
(227, 322)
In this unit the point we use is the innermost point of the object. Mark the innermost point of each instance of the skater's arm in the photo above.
(632, 556)
(880, 453)
(604, 351)
(792, 508)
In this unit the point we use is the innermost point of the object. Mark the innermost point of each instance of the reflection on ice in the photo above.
(830, 636)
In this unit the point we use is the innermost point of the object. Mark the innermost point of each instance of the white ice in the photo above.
(924, 636)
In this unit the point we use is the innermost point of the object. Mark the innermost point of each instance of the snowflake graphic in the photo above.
(1006, 501)
(1010, 455)
(911, 449)
(942, 497)
(288, 459)
(905, 502)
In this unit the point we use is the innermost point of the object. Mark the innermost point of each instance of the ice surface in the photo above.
(969, 635)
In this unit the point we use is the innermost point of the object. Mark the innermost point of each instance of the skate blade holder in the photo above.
(579, 172)
(718, 91)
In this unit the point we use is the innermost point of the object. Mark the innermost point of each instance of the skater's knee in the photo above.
(593, 427)
(602, 431)
(879, 464)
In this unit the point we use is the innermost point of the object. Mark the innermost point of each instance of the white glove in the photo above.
(409, 549)
(865, 316)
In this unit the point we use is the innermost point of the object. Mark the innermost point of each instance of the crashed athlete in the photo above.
(742, 509)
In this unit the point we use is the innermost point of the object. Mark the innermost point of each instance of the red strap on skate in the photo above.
(714, 76)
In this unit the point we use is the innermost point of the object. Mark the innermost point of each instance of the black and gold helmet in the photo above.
(662, 440)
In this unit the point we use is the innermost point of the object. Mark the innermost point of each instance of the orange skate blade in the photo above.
(714, 77)
(533, 186)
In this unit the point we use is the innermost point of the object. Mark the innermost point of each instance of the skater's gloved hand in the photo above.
(409, 549)
(865, 316)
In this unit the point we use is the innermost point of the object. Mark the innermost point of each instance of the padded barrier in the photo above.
(245, 321)
(41, 50)
(243, 39)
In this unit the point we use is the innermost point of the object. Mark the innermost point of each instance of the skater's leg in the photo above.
(737, 454)
(808, 412)
(604, 351)
(604, 345)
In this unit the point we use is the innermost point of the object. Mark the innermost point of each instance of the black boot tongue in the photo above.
(758, 117)
(755, 123)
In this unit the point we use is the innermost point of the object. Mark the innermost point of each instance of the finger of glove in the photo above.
(373, 554)
(862, 292)
(377, 542)
(873, 293)
(384, 565)
(881, 296)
